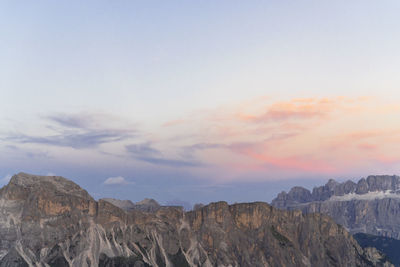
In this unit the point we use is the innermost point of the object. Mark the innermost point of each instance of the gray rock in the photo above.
(146, 205)
(370, 206)
(51, 221)
(13, 259)
(123, 204)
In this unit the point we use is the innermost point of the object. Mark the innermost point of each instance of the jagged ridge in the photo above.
(369, 206)
(50, 220)
(146, 205)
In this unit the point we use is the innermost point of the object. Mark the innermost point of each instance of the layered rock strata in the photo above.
(51, 221)
(371, 205)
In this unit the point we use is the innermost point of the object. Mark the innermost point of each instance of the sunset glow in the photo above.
(199, 96)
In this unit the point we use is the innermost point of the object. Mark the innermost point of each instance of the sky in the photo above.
(199, 101)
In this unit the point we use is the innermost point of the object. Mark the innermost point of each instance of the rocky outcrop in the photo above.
(263, 236)
(123, 204)
(50, 221)
(370, 206)
(389, 246)
(146, 205)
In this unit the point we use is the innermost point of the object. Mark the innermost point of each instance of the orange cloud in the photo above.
(295, 109)
(367, 147)
(294, 163)
(367, 140)
(303, 135)
(301, 163)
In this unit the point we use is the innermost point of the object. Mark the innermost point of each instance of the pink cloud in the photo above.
(295, 109)
(367, 147)
(303, 136)
(387, 159)
(301, 163)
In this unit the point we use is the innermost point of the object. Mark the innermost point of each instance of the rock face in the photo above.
(123, 204)
(370, 206)
(389, 246)
(146, 205)
(50, 221)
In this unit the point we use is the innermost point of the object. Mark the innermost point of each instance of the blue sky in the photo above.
(199, 101)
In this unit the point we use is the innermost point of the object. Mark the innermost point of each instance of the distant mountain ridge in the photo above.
(371, 205)
(146, 205)
(51, 221)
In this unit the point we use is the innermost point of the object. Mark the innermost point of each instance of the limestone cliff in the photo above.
(370, 206)
(51, 221)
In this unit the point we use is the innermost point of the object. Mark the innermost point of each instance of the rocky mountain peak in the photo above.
(373, 183)
(29, 182)
(368, 206)
(332, 183)
(146, 205)
(300, 194)
(148, 201)
(123, 204)
(297, 194)
(46, 196)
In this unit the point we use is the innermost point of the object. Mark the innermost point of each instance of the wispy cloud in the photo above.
(204, 146)
(295, 109)
(367, 147)
(77, 131)
(170, 162)
(82, 120)
(143, 149)
(26, 153)
(299, 163)
(293, 137)
(296, 135)
(189, 151)
(118, 180)
(146, 153)
(88, 139)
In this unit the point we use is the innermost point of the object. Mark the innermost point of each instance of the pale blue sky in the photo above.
(81, 81)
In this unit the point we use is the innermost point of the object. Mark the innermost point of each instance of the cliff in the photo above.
(369, 206)
(51, 221)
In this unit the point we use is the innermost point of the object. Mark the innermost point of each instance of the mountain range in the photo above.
(371, 205)
(51, 221)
